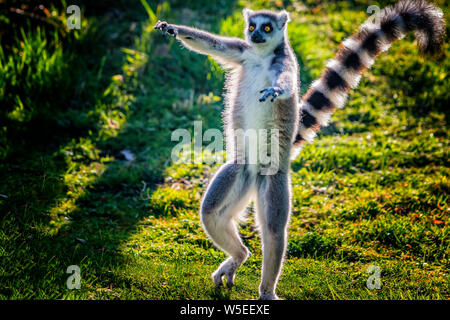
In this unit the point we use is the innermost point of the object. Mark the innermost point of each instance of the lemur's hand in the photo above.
(274, 92)
(166, 28)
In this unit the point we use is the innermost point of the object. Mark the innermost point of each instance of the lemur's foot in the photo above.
(227, 268)
(268, 296)
(166, 28)
(274, 92)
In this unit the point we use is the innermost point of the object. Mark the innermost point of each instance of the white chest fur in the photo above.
(258, 118)
(255, 77)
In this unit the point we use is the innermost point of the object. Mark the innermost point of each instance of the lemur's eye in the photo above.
(267, 28)
(251, 28)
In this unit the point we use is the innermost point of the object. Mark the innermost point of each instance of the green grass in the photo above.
(371, 190)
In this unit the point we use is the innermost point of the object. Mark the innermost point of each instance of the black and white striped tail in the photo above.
(359, 52)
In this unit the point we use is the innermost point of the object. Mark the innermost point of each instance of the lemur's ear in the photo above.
(283, 18)
(246, 12)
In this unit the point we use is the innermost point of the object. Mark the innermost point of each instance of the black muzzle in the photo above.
(257, 38)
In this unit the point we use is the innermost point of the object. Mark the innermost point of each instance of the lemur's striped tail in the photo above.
(358, 53)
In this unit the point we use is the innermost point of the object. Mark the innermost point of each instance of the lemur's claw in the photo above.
(160, 25)
(274, 92)
(166, 28)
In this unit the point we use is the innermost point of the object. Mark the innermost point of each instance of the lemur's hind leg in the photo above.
(226, 197)
(273, 209)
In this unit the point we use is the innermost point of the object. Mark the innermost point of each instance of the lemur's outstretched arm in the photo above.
(224, 49)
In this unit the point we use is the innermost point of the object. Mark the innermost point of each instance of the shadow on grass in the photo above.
(34, 167)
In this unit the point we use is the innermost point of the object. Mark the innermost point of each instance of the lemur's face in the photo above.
(265, 27)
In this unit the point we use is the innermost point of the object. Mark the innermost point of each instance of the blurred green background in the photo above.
(86, 177)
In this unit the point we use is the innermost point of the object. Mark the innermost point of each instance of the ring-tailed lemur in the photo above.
(263, 93)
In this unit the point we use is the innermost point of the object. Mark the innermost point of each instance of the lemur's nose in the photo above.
(257, 37)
